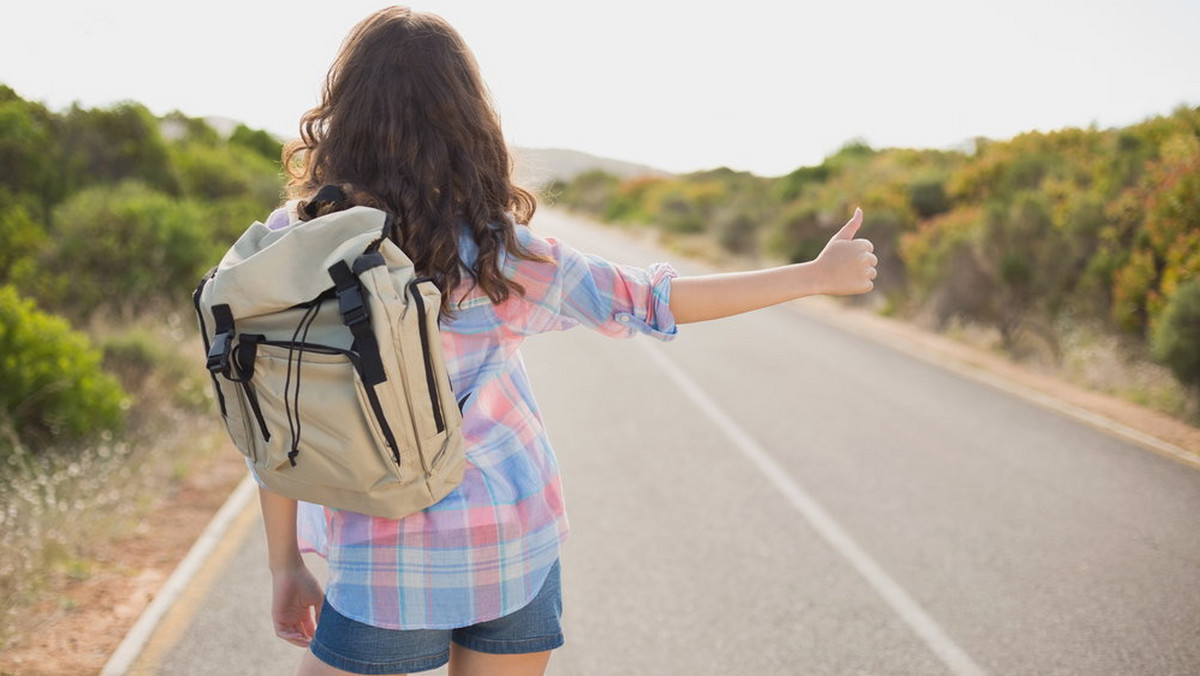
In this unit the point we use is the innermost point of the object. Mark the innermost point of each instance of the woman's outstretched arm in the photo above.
(846, 266)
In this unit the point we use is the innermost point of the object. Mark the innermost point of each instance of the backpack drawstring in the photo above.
(292, 406)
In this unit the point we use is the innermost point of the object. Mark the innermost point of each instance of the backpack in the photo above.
(324, 350)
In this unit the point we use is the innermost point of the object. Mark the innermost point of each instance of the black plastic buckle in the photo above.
(218, 354)
(352, 306)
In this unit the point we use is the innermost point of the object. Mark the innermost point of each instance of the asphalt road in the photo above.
(771, 495)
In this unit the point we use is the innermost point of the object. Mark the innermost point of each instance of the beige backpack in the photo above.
(323, 347)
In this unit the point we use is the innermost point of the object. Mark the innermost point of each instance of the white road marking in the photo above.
(131, 647)
(954, 657)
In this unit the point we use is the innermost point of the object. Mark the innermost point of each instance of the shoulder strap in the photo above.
(356, 316)
(331, 195)
(334, 196)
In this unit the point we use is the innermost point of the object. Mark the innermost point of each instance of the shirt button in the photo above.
(623, 319)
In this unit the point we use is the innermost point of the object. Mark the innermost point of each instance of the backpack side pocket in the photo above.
(237, 417)
(230, 399)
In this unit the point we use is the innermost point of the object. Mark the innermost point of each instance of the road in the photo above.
(771, 495)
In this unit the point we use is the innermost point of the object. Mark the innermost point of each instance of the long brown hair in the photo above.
(405, 124)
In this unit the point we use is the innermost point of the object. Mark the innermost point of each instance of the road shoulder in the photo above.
(1147, 428)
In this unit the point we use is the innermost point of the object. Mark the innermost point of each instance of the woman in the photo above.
(405, 124)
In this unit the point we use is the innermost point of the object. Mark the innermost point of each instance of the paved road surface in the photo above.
(769, 495)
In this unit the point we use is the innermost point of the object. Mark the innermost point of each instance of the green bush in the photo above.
(591, 192)
(675, 211)
(111, 145)
(208, 172)
(261, 142)
(54, 386)
(21, 237)
(27, 146)
(125, 248)
(798, 234)
(226, 220)
(928, 198)
(1176, 339)
(793, 185)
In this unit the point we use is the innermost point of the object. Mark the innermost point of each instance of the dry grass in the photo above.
(61, 506)
(1092, 358)
(1114, 365)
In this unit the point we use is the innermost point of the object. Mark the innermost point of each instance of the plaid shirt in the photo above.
(485, 549)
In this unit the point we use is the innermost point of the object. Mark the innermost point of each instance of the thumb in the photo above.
(850, 229)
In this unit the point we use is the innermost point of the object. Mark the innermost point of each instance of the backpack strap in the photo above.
(204, 335)
(430, 380)
(357, 318)
(331, 194)
(243, 362)
(222, 345)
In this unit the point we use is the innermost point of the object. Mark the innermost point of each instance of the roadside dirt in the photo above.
(80, 622)
(77, 623)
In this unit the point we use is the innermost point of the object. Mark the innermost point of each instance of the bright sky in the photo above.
(759, 85)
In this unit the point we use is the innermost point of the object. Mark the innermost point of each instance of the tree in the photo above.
(27, 149)
(261, 142)
(112, 145)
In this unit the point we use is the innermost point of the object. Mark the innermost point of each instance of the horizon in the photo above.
(762, 88)
(225, 126)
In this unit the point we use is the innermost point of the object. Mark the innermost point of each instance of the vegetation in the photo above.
(107, 219)
(54, 386)
(1032, 237)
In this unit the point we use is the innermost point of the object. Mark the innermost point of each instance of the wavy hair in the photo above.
(406, 124)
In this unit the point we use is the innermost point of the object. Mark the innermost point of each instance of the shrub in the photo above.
(799, 234)
(590, 192)
(54, 386)
(26, 146)
(737, 226)
(21, 237)
(114, 144)
(130, 246)
(942, 268)
(631, 203)
(213, 172)
(793, 185)
(1165, 244)
(261, 142)
(226, 220)
(683, 207)
(928, 198)
(1176, 339)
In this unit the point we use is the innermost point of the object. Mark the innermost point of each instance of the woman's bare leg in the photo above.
(463, 662)
(467, 662)
(311, 666)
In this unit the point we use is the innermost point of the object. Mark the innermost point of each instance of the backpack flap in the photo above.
(271, 270)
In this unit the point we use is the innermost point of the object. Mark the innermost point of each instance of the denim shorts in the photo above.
(362, 649)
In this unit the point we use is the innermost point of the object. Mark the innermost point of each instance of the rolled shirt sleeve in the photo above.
(571, 288)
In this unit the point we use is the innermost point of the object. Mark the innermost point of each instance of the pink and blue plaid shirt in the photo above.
(485, 549)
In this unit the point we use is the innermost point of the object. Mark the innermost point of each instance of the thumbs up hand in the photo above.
(847, 265)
